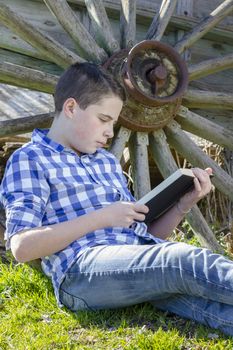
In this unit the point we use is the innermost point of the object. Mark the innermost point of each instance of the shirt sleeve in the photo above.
(24, 194)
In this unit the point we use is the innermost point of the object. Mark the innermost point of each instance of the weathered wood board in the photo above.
(218, 42)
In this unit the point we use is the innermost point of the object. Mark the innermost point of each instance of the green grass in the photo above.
(31, 319)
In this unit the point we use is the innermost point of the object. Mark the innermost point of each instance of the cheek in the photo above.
(90, 128)
(83, 132)
(86, 129)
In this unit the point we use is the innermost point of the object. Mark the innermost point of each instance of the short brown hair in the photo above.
(87, 83)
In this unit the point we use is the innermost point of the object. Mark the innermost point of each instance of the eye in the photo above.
(104, 120)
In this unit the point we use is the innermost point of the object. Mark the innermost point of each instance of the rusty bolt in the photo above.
(158, 73)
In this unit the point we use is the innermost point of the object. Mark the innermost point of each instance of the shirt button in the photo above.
(84, 160)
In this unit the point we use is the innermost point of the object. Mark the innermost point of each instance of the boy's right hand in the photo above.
(123, 214)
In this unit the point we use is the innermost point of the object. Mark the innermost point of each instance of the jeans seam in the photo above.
(74, 296)
(132, 270)
(208, 314)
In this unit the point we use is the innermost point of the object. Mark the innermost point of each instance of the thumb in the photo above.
(209, 171)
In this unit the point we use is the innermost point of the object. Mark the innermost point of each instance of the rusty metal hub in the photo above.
(155, 77)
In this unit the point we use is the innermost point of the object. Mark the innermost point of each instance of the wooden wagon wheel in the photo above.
(156, 78)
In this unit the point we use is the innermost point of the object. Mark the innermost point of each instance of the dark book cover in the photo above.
(167, 193)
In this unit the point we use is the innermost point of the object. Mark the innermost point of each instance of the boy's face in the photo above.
(90, 129)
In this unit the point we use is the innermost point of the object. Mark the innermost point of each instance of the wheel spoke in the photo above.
(160, 21)
(27, 77)
(139, 160)
(204, 128)
(70, 22)
(167, 165)
(211, 66)
(26, 124)
(18, 46)
(189, 150)
(102, 26)
(161, 153)
(119, 142)
(184, 7)
(204, 26)
(43, 42)
(128, 23)
(194, 98)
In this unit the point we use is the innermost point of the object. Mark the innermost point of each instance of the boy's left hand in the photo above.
(202, 186)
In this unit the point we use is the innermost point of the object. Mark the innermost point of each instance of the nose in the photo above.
(109, 133)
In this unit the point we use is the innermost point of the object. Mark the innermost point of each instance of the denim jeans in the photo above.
(188, 281)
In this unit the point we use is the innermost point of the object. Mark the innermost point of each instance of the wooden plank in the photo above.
(202, 50)
(25, 124)
(195, 98)
(202, 8)
(205, 25)
(119, 142)
(211, 66)
(221, 118)
(30, 62)
(17, 103)
(140, 165)
(101, 26)
(161, 19)
(87, 46)
(178, 139)
(147, 9)
(58, 53)
(27, 77)
(128, 23)
(184, 7)
(220, 81)
(37, 13)
(204, 128)
(11, 41)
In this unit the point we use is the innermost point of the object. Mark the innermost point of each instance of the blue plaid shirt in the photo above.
(46, 183)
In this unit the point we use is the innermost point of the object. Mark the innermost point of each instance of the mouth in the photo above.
(101, 144)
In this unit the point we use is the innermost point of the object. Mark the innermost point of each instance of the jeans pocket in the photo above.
(72, 302)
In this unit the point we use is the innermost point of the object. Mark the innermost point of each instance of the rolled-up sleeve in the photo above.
(24, 194)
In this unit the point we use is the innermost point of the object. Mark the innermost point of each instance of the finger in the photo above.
(209, 171)
(202, 175)
(198, 173)
(128, 204)
(139, 217)
(141, 208)
(202, 184)
(197, 185)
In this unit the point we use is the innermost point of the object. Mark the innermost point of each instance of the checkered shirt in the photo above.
(46, 183)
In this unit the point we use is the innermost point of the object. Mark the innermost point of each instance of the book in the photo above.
(167, 193)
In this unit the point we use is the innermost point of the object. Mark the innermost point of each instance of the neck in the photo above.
(57, 132)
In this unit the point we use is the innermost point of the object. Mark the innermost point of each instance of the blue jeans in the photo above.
(189, 281)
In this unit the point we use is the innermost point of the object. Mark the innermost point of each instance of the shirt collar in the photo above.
(40, 136)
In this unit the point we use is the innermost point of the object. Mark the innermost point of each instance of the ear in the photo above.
(69, 107)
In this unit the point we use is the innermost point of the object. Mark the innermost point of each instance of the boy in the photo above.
(67, 203)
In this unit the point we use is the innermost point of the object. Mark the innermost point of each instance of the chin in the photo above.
(90, 151)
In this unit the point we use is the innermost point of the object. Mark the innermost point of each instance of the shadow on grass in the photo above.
(147, 318)
(142, 316)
